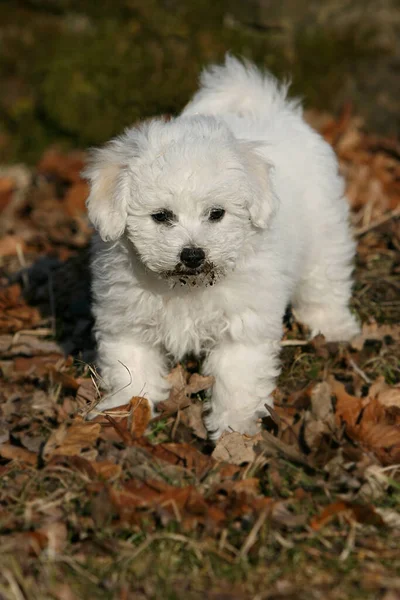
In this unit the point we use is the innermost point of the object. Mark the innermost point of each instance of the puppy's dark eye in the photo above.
(216, 214)
(163, 216)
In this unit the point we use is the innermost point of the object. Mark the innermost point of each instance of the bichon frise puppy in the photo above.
(209, 225)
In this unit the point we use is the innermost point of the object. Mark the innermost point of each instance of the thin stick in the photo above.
(295, 342)
(391, 215)
(252, 537)
(359, 371)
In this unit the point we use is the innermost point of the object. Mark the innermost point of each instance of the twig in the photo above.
(350, 542)
(176, 537)
(295, 342)
(252, 537)
(44, 331)
(391, 215)
(359, 371)
(14, 587)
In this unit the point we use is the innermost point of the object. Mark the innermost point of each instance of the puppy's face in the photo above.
(185, 194)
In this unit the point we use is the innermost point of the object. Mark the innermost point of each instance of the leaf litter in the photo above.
(130, 501)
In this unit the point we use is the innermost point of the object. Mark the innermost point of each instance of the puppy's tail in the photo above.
(239, 87)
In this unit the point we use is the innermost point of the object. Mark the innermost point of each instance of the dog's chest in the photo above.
(190, 324)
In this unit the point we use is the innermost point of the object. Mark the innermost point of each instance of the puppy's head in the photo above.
(185, 193)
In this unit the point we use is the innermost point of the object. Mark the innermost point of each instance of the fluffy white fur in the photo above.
(242, 146)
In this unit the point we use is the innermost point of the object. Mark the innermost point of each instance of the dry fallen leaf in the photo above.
(76, 439)
(370, 423)
(27, 345)
(183, 386)
(15, 314)
(12, 452)
(139, 416)
(192, 417)
(236, 448)
(363, 513)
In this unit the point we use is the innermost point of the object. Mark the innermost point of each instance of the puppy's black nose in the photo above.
(192, 257)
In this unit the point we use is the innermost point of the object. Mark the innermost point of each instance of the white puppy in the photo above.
(210, 224)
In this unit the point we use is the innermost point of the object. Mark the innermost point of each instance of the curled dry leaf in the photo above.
(183, 386)
(369, 422)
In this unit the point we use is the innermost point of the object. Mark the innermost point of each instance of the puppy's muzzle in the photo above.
(192, 258)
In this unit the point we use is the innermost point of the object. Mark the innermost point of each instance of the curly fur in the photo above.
(242, 146)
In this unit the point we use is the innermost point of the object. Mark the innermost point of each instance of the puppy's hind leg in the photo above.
(321, 299)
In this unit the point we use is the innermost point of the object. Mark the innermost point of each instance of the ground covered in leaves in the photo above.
(131, 507)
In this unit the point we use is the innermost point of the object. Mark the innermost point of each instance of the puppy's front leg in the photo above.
(244, 379)
(129, 368)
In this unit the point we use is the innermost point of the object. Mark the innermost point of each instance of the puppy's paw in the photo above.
(340, 327)
(219, 423)
(337, 324)
(119, 397)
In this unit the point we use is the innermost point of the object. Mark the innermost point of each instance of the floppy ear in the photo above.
(263, 202)
(107, 201)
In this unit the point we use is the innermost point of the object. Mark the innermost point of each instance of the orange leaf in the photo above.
(139, 417)
(359, 512)
(17, 453)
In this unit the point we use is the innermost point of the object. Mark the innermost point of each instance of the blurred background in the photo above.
(76, 72)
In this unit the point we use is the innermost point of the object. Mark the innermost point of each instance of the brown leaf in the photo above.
(27, 345)
(67, 381)
(199, 383)
(86, 392)
(183, 455)
(359, 512)
(192, 417)
(107, 470)
(348, 408)
(36, 365)
(76, 439)
(236, 448)
(139, 416)
(17, 453)
(183, 386)
(15, 314)
(370, 423)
